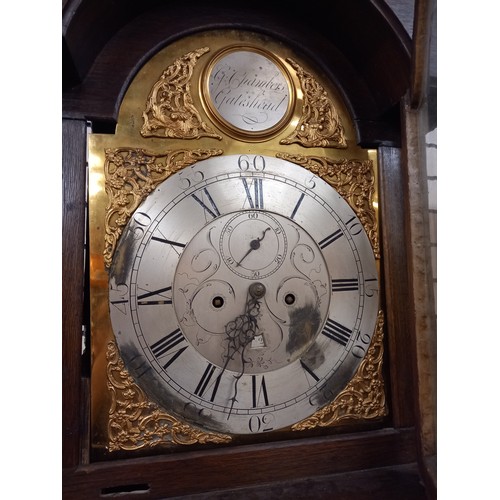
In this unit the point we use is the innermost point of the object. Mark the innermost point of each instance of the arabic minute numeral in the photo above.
(257, 163)
(142, 220)
(371, 287)
(354, 227)
(359, 349)
(261, 423)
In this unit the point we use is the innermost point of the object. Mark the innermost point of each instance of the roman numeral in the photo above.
(297, 205)
(337, 332)
(213, 211)
(309, 371)
(256, 200)
(166, 345)
(330, 239)
(259, 392)
(204, 381)
(216, 386)
(141, 299)
(169, 242)
(345, 285)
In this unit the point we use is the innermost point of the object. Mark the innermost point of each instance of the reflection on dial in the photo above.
(286, 262)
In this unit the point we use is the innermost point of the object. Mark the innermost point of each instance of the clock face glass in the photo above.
(248, 91)
(243, 294)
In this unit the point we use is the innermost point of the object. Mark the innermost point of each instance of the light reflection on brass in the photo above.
(132, 174)
(354, 180)
(170, 111)
(135, 423)
(320, 124)
(364, 396)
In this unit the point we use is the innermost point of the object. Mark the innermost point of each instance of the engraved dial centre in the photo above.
(251, 291)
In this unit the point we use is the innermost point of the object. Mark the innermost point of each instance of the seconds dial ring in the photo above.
(253, 244)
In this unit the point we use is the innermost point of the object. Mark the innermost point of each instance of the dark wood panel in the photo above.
(401, 345)
(387, 483)
(88, 25)
(351, 41)
(203, 471)
(73, 234)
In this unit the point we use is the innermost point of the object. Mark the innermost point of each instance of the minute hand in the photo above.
(254, 245)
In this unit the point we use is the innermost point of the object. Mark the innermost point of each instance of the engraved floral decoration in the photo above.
(320, 124)
(170, 112)
(363, 397)
(135, 422)
(354, 180)
(131, 175)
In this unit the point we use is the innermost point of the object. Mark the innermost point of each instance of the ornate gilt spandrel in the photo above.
(170, 112)
(131, 174)
(354, 180)
(320, 124)
(136, 423)
(364, 396)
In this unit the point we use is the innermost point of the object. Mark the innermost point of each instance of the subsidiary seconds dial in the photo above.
(243, 294)
(253, 244)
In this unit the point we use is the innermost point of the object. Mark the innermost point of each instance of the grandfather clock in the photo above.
(235, 191)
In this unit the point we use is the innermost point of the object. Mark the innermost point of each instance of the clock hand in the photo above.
(237, 379)
(242, 331)
(254, 245)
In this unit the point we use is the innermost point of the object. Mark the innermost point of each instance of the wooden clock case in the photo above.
(362, 47)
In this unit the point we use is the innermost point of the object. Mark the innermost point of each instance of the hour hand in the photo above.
(242, 331)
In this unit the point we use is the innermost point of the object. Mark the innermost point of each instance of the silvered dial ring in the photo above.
(173, 289)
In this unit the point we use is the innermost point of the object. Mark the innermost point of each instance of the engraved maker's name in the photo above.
(231, 87)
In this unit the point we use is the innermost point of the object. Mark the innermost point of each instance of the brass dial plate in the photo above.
(165, 126)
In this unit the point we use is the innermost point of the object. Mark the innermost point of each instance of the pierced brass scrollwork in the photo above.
(354, 180)
(132, 174)
(170, 112)
(320, 124)
(135, 422)
(364, 396)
